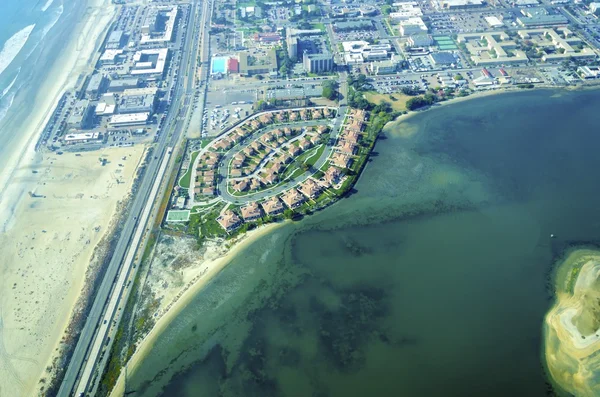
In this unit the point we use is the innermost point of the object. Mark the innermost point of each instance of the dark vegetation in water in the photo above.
(344, 332)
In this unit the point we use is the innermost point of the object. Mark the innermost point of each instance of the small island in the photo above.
(572, 326)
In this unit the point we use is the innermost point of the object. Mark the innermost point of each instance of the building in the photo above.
(123, 84)
(292, 47)
(137, 104)
(293, 199)
(559, 44)
(250, 65)
(267, 38)
(318, 63)
(310, 188)
(420, 40)
(405, 11)
(81, 116)
(594, 7)
(96, 85)
(384, 67)
(589, 72)
(460, 4)
(229, 221)
(82, 137)
(494, 22)
(492, 48)
(150, 63)
(251, 212)
(272, 206)
(412, 26)
(539, 16)
(347, 26)
(159, 25)
(116, 40)
(442, 59)
(111, 57)
(129, 119)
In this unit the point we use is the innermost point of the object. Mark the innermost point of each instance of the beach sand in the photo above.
(46, 255)
(176, 299)
(572, 337)
(48, 242)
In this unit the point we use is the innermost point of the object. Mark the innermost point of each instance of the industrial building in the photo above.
(317, 63)
(150, 62)
(81, 116)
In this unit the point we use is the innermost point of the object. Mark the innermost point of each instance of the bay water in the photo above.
(431, 279)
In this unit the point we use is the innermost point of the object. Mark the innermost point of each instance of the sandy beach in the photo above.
(49, 238)
(194, 281)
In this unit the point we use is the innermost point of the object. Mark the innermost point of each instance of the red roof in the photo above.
(233, 65)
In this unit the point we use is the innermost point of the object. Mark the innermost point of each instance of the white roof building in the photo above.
(150, 61)
(494, 22)
(129, 119)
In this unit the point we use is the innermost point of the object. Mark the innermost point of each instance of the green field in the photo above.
(178, 215)
(184, 182)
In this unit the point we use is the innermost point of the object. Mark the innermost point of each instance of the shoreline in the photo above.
(16, 179)
(64, 74)
(214, 266)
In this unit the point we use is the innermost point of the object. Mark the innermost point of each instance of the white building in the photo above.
(149, 62)
(594, 7)
(149, 34)
(124, 120)
(412, 26)
(494, 22)
(82, 137)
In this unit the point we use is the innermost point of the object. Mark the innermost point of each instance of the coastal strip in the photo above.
(213, 268)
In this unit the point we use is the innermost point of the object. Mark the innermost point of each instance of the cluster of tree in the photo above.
(358, 83)
(330, 89)
(357, 100)
(420, 101)
(286, 64)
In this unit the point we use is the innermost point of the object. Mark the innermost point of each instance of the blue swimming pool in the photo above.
(219, 65)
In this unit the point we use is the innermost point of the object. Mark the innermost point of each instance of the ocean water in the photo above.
(430, 280)
(31, 41)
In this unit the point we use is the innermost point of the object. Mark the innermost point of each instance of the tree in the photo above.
(288, 214)
(329, 93)
(386, 9)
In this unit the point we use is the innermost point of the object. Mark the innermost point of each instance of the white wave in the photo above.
(12, 83)
(13, 46)
(47, 5)
(57, 15)
(5, 104)
(39, 35)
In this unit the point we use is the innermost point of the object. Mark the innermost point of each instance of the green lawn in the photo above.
(313, 159)
(184, 182)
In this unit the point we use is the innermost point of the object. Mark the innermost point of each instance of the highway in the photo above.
(174, 126)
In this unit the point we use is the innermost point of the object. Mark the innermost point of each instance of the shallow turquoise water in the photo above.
(430, 280)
